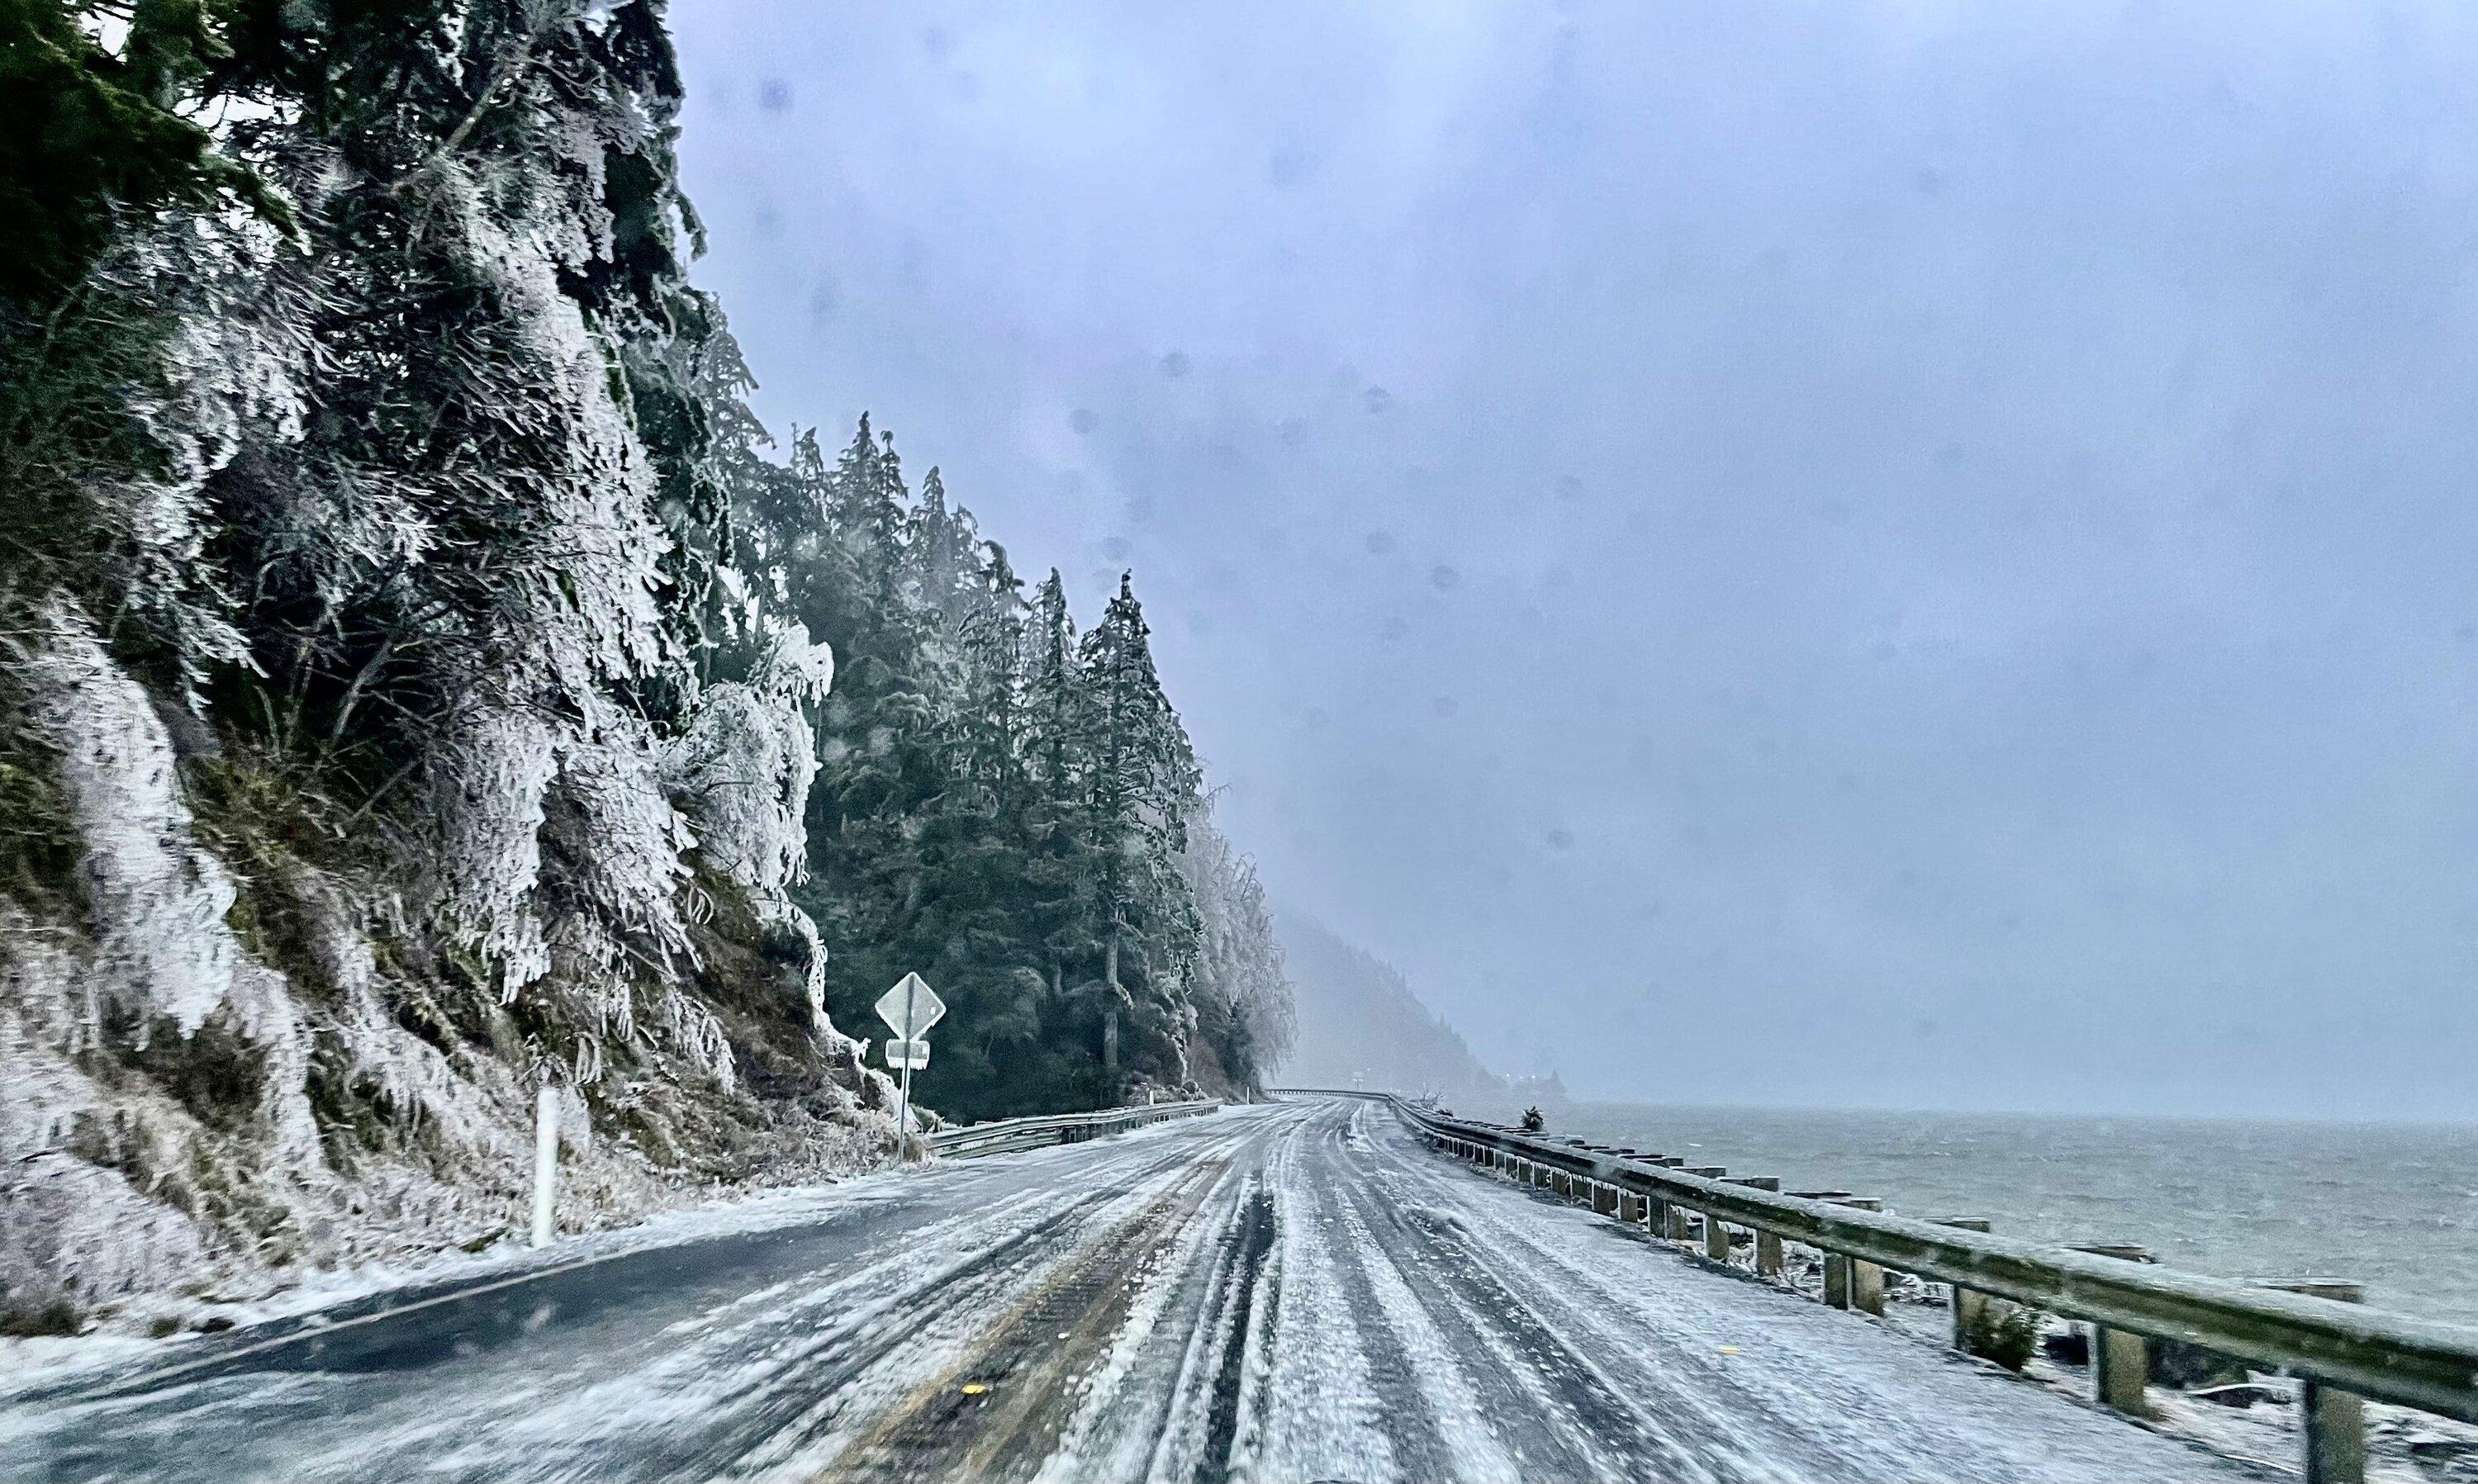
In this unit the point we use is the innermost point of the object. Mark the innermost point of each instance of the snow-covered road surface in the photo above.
(1285, 1292)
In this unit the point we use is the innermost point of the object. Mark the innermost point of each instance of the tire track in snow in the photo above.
(1812, 1393)
(1429, 1412)
(598, 1392)
(1021, 1368)
(1188, 1354)
(1556, 1410)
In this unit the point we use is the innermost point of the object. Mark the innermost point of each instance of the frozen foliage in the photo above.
(488, 859)
(158, 902)
(1239, 975)
(745, 765)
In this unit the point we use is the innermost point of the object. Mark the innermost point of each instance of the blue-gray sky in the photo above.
(1906, 554)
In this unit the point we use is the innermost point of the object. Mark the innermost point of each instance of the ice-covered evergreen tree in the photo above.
(1140, 782)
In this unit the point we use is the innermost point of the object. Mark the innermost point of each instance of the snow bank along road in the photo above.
(1292, 1291)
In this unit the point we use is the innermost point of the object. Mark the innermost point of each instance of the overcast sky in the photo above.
(1918, 554)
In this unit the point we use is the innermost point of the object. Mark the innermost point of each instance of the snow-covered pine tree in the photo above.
(1141, 783)
(942, 560)
(1246, 1021)
(991, 741)
(1052, 683)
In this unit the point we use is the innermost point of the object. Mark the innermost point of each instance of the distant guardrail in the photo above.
(1006, 1135)
(2340, 1351)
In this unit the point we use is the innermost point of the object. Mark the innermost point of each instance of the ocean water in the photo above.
(2393, 1206)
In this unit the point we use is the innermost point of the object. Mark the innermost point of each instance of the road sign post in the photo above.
(909, 1009)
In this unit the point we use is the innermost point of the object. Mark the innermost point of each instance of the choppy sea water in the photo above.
(2393, 1206)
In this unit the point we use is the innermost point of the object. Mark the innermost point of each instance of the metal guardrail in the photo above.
(1006, 1135)
(2357, 1351)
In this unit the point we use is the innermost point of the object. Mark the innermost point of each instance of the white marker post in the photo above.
(546, 1160)
(909, 1009)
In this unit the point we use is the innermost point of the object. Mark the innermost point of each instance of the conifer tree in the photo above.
(1140, 783)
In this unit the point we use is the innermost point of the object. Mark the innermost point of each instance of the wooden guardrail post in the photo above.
(1768, 1245)
(1716, 1237)
(1850, 1283)
(2335, 1421)
(1863, 1282)
(1659, 1216)
(1969, 1305)
(2120, 1359)
(1607, 1197)
(1634, 1208)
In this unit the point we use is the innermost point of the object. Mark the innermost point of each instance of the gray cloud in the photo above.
(2004, 468)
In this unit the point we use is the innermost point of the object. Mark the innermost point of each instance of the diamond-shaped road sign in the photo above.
(910, 1008)
(911, 1055)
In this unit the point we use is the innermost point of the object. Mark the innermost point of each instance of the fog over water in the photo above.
(1909, 555)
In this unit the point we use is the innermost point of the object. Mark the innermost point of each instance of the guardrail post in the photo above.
(2120, 1367)
(1768, 1246)
(2335, 1421)
(1663, 1219)
(1716, 1237)
(1969, 1305)
(1768, 1253)
(1836, 1281)
(1863, 1283)
(2120, 1359)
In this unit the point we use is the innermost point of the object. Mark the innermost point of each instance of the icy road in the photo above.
(1286, 1293)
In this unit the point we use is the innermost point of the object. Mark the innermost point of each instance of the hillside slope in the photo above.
(1358, 1019)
